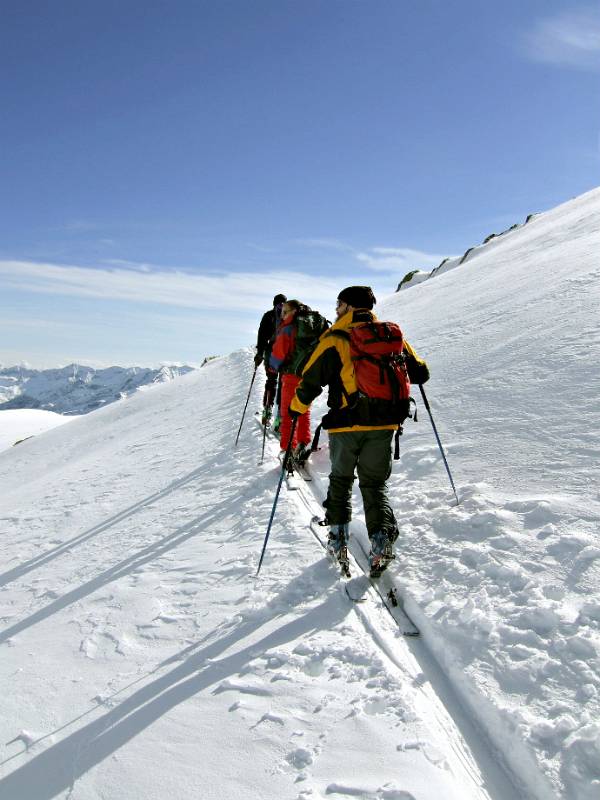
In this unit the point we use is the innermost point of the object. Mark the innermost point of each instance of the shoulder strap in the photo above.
(340, 334)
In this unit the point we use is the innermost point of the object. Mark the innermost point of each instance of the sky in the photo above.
(167, 167)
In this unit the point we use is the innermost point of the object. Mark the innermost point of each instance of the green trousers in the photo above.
(369, 452)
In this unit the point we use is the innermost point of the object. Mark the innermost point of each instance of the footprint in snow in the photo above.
(300, 758)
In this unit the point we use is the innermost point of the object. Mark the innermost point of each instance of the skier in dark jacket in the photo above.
(264, 344)
(360, 434)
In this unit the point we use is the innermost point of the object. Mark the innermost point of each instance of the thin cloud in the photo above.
(230, 291)
(324, 244)
(35, 324)
(125, 264)
(571, 39)
(397, 259)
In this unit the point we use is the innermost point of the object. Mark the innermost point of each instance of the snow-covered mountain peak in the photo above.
(77, 389)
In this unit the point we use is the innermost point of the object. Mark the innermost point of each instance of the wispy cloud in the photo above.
(393, 260)
(233, 291)
(571, 38)
(29, 323)
(123, 263)
(324, 244)
(398, 259)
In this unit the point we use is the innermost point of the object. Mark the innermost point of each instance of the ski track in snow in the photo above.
(140, 650)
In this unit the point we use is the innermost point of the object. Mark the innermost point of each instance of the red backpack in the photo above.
(379, 361)
(376, 349)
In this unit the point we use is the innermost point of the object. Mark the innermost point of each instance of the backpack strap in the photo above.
(315, 442)
(400, 430)
(397, 436)
(376, 331)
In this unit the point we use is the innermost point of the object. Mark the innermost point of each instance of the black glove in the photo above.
(418, 371)
(258, 360)
(422, 373)
(294, 414)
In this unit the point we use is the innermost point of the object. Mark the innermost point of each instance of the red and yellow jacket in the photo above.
(331, 365)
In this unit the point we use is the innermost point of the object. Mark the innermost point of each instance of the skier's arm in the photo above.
(417, 368)
(321, 369)
(264, 332)
(282, 347)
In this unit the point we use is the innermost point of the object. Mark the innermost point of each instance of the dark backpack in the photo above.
(309, 327)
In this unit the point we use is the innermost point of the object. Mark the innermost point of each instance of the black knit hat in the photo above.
(358, 296)
(279, 298)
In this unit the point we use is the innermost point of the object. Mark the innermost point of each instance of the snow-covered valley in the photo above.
(143, 657)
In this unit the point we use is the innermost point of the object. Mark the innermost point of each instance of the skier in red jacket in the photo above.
(296, 338)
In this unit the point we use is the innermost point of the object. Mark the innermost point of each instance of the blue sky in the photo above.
(166, 167)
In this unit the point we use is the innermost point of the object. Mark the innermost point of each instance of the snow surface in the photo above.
(144, 659)
(20, 424)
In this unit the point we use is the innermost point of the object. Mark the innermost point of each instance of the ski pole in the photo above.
(424, 396)
(283, 469)
(262, 455)
(246, 406)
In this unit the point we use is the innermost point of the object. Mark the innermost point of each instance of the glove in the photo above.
(258, 360)
(422, 373)
(418, 371)
(293, 414)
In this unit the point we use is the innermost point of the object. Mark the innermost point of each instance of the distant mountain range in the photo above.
(76, 389)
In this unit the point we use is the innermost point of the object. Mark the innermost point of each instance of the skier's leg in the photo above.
(374, 468)
(343, 452)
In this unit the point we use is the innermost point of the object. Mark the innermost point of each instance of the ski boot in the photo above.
(301, 453)
(381, 552)
(337, 546)
(276, 423)
(266, 416)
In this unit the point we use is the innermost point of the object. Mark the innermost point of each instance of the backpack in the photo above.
(376, 350)
(309, 327)
(380, 369)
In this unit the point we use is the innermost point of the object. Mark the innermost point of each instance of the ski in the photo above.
(301, 469)
(357, 588)
(291, 481)
(387, 591)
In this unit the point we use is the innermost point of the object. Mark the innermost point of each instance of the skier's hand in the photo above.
(293, 414)
(422, 373)
(258, 360)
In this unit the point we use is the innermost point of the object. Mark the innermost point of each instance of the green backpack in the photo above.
(309, 327)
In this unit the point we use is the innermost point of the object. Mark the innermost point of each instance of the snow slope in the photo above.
(143, 657)
(508, 583)
(19, 424)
